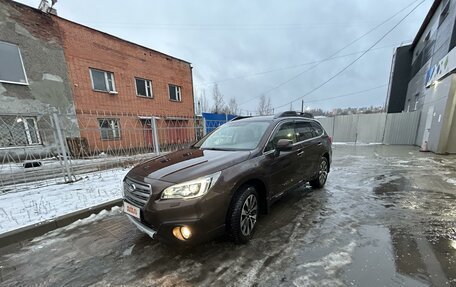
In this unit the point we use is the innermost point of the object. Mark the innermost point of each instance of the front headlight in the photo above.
(191, 189)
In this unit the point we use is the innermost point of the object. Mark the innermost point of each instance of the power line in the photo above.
(338, 96)
(337, 52)
(354, 61)
(347, 95)
(292, 66)
(214, 26)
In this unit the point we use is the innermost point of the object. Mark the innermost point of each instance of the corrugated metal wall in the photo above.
(345, 128)
(371, 128)
(384, 128)
(328, 125)
(401, 128)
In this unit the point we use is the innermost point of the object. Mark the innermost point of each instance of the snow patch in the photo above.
(36, 203)
(128, 251)
(451, 181)
(93, 218)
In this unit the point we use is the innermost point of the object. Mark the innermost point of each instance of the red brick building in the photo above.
(118, 86)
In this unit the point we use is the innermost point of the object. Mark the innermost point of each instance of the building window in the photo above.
(102, 81)
(445, 12)
(143, 88)
(18, 131)
(109, 129)
(11, 65)
(175, 93)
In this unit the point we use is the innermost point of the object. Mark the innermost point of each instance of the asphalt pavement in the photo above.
(387, 217)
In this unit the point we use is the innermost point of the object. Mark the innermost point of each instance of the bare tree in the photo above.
(233, 107)
(202, 105)
(217, 97)
(264, 107)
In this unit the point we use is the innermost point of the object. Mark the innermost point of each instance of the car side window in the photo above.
(304, 131)
(318, 129)
(286, 131)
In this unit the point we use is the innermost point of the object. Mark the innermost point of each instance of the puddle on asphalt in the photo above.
(390, 257)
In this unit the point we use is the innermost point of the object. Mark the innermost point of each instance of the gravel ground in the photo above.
(387, 217)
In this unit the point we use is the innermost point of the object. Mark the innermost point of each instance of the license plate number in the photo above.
(131, 210)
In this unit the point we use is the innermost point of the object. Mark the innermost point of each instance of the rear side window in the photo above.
(304, 131)
(286, 131)
(318, 129)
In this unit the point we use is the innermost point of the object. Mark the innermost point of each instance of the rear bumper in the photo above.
(147, 230)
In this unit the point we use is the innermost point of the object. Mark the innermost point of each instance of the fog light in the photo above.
(185, 231)
(182, 232)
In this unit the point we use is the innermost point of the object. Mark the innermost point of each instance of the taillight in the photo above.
(330, 140)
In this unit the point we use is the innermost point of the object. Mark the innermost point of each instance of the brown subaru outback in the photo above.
(221, 183)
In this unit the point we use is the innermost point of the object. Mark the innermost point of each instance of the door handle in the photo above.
(300, 153)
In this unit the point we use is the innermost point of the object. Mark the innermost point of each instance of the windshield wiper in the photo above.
(214, 148)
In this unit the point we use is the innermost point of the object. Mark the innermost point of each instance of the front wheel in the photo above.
(244, 213)
(322, 174)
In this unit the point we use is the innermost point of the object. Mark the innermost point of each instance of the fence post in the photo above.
(154, 127)
(204, 126)
(68, 176)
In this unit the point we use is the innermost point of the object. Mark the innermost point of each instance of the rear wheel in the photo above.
(322, 174)
(243, 216)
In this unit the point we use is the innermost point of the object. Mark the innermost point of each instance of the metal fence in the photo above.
(54, 148)
(51, 148)
(398, 129)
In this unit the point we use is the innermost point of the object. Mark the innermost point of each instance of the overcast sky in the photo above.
(255, 47)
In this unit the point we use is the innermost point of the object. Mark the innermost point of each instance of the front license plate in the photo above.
(131, 210)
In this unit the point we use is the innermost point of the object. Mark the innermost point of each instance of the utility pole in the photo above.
(302, 106)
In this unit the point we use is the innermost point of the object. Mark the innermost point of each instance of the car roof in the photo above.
(274, 118)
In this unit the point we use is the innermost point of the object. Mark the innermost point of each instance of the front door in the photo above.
(283, 167)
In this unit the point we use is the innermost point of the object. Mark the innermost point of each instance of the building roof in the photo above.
(426, 21)
(98, 31)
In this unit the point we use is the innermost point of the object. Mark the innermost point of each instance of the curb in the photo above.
(37, 229)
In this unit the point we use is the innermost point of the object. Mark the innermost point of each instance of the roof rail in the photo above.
(239, 118)
(294, 114)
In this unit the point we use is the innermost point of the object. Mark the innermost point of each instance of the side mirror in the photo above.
(283, 145)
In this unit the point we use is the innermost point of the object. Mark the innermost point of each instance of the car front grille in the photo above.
(137, 193)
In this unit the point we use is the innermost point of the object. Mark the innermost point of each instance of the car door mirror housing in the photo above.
(284, 145)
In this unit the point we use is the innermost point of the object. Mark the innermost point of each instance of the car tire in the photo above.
(244, 214)
(322, 174)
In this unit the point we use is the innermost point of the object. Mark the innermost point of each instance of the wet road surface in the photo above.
(387, 217)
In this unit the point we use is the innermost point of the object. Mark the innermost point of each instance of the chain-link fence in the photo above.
(51, 148)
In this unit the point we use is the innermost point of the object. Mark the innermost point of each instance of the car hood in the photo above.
(187, 164)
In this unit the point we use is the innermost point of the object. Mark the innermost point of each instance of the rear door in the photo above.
(310, 146)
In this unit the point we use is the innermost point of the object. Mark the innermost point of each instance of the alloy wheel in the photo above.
(323, 172)
(249, 214)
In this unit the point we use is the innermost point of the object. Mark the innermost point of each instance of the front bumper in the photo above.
(205, 216)
(147, 230)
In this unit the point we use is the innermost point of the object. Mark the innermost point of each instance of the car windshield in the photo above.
(235, 136)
